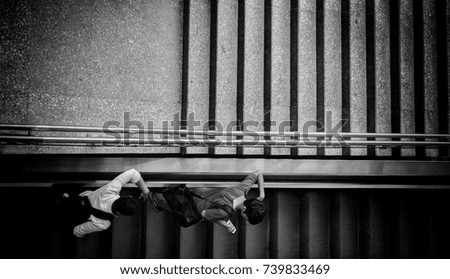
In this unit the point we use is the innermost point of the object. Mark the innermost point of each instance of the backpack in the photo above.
(181, 202)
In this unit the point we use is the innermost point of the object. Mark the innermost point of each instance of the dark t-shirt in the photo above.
(222, 196)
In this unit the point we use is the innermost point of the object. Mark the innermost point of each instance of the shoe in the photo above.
(154, 203)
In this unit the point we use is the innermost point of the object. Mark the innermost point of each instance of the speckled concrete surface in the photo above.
(430, 71)
(448, 57)
(307, 69)
(280, 69)
(13, 107)
(254, 69)
(14, 47)
(23, 149)
(57, 109)
(109, 50)
(358, 72)
(199, 56)
(78, 63)
(83, 63)
(407, 122)
(382, 73)
(226, 68)
(333, 59)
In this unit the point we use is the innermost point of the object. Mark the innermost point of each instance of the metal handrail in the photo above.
(213, 142)
(206, 133)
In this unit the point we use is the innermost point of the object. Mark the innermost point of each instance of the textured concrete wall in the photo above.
(88, 62)
(227, 26)
(254, 68)
(407, 70)
(333, 73)
(280, 69)
(430, 70)
(199, 57)
(382, 72)
(448, 57)
(358, 72)
(84, 63)
(307, 69)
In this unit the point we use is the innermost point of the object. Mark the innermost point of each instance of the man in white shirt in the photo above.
(108, 199)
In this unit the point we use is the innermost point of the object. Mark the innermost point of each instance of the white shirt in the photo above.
(238, 202)
(103, 199)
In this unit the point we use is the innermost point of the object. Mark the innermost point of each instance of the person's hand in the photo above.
(144, 195)
(231, 227)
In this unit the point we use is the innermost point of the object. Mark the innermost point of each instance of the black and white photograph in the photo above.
(225, 129)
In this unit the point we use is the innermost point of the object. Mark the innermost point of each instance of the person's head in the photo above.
(254, 211)
(126, 206)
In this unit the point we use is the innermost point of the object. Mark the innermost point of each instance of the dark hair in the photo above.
(254, 209)
(126, 205)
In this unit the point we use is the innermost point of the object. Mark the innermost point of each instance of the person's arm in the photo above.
(130, 176)
(260, 181)
(252, 178)
(86, 228)
(145, 191)
(227, 224)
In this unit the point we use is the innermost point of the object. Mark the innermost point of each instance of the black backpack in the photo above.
(181, 202)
